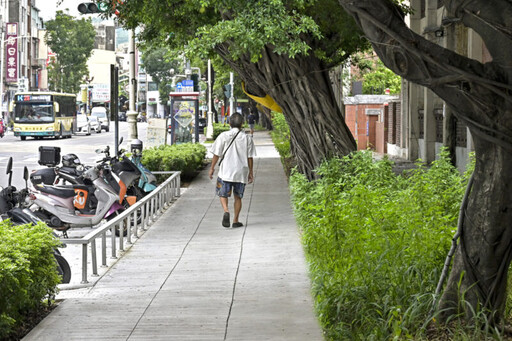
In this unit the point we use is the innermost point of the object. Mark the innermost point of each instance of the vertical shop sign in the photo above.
(11, 51)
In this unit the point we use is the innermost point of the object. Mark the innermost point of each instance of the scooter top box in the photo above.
(49, 156)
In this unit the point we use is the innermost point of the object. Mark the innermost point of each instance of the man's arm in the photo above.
(251, 176)
(212, 167)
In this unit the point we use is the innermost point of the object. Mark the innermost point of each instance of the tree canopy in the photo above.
(72, 41)
(158, 63)
(280, 48)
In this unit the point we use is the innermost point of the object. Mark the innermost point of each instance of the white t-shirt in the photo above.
(234, 167)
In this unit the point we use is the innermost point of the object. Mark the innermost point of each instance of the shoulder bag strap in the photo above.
(233, 140)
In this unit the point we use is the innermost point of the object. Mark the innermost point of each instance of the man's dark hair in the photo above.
(236, 120)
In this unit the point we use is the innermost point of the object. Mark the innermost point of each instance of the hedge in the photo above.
(28, 272)
(187, 158)
(219, 128)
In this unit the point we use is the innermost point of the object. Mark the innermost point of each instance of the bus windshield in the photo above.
(33, 113)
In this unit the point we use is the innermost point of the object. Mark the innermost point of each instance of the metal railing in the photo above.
(136, 219)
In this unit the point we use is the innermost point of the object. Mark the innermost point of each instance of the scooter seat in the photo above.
(62, 192)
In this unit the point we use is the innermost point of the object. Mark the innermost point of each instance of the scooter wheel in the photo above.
(63, 268)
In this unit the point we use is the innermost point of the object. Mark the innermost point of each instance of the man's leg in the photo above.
(238, 208)
(224, 203)
(223, 190)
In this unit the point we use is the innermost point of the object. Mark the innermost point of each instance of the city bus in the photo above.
(40, 114)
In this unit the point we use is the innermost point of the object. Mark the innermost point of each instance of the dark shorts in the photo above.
(224, 188)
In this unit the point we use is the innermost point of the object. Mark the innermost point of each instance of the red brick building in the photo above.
(372, 119)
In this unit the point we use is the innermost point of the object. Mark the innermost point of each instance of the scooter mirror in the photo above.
(9, 171)
(25, 173)
(120, 141)
(99, 151)
(9, 166)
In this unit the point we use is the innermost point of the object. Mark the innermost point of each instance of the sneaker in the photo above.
(237, 224)
(225, 219)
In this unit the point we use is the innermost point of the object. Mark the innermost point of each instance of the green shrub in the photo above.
(187, 158)
(219, 128)
(28, 272)
(376, 243)
(281, 138)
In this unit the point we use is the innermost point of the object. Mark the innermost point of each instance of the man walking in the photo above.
(236, 151)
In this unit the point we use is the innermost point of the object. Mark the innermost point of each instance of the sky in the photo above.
(48, 7)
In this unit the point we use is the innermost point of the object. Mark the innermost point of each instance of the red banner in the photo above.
(11, 51)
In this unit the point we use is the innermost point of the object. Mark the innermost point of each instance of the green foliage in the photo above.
(376, 243)
(158, 62)
(187, 158)
(375, 76)
(219, 128)
(281, 135)
(72, 41)
(281, 138)
(290, 27)
(381, 79)
(28, 272)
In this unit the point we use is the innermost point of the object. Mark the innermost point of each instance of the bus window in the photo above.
(33, 113)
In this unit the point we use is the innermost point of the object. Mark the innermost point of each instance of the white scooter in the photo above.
(63, 207)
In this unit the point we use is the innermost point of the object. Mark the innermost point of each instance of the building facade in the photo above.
(24, 54)
(418, 124)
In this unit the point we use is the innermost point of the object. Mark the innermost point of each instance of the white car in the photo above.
(101, 114)
(83, 125)
(95, 124)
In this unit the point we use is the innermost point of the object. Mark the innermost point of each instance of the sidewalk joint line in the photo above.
(240, 257)
(172, 270)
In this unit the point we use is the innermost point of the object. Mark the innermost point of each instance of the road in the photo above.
(26, 153)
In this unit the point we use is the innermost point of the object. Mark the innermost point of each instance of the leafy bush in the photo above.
(376, 243)
(187, 158)
(28, 272)
(219, 128)
(281, 138)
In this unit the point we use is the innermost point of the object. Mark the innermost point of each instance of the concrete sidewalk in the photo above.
(189, 278)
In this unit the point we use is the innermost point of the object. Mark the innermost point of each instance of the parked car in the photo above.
(83, 125)
(95, 124)
(101, 114)
(121, 116)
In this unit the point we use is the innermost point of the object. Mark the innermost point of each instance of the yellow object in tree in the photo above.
(266, 101)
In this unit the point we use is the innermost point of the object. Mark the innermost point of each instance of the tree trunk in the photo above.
(485, 247)
(302, 88)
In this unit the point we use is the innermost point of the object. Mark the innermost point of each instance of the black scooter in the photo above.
(12, 204)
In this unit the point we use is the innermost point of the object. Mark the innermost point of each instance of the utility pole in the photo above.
(131, 115)
(209, 128)
(231, 98)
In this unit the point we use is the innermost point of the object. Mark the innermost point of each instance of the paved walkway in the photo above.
(189, 278)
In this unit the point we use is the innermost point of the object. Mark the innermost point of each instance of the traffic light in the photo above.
(91, 7)
(227, 90)
(195, 79)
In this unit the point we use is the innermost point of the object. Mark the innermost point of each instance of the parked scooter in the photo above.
(12, 207)
(72, 172)
(147, 181)
(69, 173)
(63, 207)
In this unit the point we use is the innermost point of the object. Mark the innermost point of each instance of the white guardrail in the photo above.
(135, 219)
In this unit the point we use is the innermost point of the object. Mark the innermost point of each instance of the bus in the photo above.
(40, 114)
